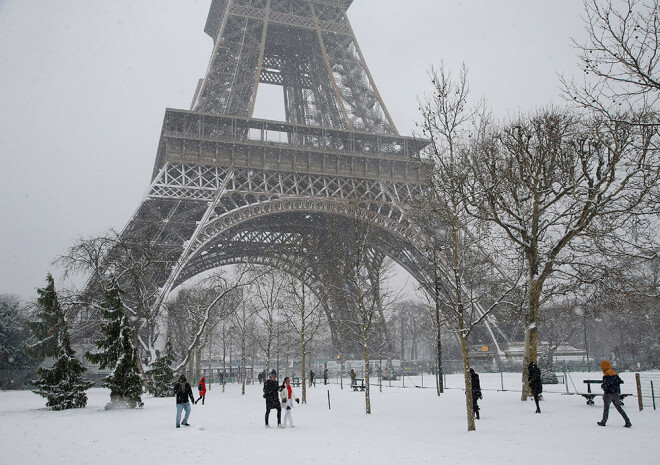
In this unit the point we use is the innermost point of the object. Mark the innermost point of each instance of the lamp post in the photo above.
(586, 346)
(580, 312)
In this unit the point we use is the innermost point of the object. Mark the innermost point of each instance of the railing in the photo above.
(264, 132)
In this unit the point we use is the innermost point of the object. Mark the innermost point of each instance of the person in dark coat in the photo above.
(611, 393)
(311, 379)
(271, 394)
(325, 376)
(183, 392)
(476, 392)
(202, 391)
(535, 384)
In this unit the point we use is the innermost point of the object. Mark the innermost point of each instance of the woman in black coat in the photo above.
(535, 384)
(271, 394)
(476, 392)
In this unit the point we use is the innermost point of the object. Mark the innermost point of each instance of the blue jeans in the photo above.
(180, 407)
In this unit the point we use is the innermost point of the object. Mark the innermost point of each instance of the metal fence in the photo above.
(648, 390)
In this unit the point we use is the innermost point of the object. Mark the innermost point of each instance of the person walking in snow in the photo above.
(183, 392)
(325, 376)
(202, 390)
(271, 391)
(353, 377)
(611, 393)
(476, 392)
(535, 384)
(311, 379)
(288, 396)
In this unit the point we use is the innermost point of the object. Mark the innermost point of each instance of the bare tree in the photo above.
(195, 312)
(620, 59)
(362, 272)
(408, 324)
(267, 296)
(244, 326)
(305, 318)
(225, 333)
(543, 181)
(466, 286)
(136, 262)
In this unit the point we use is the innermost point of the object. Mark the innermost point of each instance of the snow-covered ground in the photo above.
(411, 425)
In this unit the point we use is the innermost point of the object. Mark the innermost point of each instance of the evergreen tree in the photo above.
(161, 376)
(117, 351)
(548, 375)
(48, 322)
(63, 384)
(389, 370)
(13, 333)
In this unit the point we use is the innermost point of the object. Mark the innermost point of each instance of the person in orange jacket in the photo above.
(202, 390)
(611, 393)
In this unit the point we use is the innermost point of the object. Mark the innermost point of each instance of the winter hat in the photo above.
(273, 373)
(182, 378)
(606, 366)
(203, 378)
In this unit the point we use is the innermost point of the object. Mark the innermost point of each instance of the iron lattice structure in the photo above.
(228, 188)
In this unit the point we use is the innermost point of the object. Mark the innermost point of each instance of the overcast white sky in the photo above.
(84, 85)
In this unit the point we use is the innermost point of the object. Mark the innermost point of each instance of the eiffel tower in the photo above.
(228, 188)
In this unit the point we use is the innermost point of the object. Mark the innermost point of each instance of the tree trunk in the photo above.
(437, 375)
(531, 334)
(367, 397)
(224, 358)
(210, 363)
(243, 370)
(380, 372)
(304, 378)
(468, 381)
(341, 372)
(198, 365)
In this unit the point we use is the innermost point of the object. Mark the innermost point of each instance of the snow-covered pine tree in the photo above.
(161, 376)
(389, 370)
(548, 375)
(117, 351)
(63, 385)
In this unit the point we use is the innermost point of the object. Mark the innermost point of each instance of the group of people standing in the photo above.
(183, 392)
(611, 390)
(312, 377)
(611, 394)
(272, 392)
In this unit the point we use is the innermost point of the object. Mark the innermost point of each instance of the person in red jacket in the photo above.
(202, 390)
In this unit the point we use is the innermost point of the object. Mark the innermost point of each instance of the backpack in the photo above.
(200, 387)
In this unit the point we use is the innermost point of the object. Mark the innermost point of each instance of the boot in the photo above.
(476, 414)
(600, 423)
(538, 410)
(628, 424)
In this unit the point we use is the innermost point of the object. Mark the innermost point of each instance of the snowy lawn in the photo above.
(407, 426)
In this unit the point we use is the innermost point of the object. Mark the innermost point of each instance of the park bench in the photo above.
(590, 396)
(358, 385)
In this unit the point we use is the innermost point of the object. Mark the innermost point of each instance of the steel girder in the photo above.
(228, 188)
(306, 46)
(252, 193)
(297, 243)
